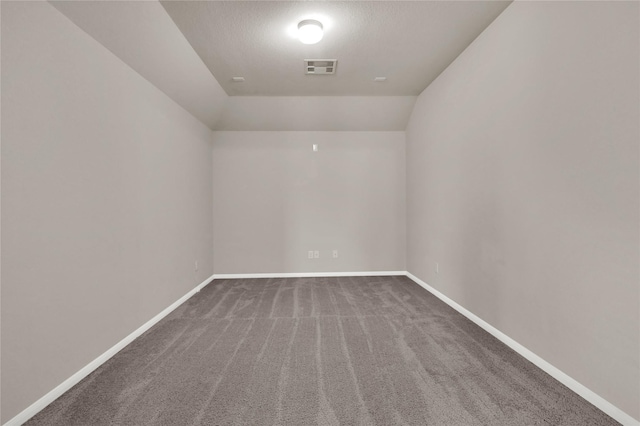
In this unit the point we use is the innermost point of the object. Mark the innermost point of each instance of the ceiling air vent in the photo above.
(320, 66)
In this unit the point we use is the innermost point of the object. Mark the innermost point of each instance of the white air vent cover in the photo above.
(320, 66)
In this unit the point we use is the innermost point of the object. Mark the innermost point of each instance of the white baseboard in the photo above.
(602, 404)
(47, 399)
(595, 399)
(309, 274)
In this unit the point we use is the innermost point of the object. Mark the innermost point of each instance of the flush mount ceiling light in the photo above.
(310, 31)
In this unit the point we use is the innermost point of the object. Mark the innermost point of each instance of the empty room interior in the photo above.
(320, 213)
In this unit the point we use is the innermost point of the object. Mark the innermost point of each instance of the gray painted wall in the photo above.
(522, 184)
(275, 199)
(106, 201)
(522, 180)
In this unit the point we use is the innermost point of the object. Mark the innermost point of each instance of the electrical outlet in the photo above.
(335, 254)
(316, 254)
(310, 254)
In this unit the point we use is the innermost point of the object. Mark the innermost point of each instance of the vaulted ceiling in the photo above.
(408, 42)
(191, 50)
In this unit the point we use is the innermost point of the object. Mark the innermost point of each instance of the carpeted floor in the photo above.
(318, 351)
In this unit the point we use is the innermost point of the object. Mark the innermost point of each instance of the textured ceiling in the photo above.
(324, 113)
(143, 36)
(410, 43)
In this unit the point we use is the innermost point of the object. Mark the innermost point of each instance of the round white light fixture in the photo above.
(310, 31)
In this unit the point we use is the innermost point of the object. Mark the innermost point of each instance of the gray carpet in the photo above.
(318, 351)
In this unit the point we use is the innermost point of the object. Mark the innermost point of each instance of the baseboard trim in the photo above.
(595, 399)
(309, 274)
(601, 403)
(47, 399)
